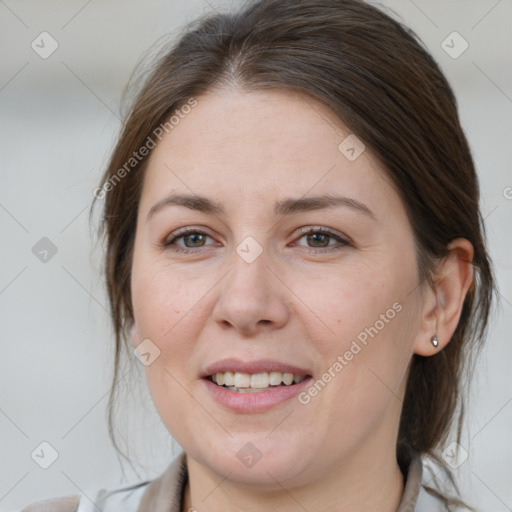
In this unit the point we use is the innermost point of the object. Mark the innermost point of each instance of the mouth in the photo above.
(256, 386)
(242, 382)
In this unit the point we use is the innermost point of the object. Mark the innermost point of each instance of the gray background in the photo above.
(59, 119)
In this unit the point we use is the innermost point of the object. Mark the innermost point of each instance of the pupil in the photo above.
(318, 235)
(195, 236)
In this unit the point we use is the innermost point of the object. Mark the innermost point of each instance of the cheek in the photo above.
(169, 309)
(161, 297)
(363, 326)
(166, 306)
(345, 303)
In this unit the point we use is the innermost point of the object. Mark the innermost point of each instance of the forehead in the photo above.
(253, 145)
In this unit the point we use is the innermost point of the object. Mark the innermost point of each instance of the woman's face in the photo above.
(248, 297)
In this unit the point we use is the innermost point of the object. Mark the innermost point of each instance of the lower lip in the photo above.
(258, 401)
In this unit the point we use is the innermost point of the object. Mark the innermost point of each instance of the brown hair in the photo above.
(376, 75)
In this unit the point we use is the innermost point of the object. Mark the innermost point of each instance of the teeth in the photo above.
(275, 378)
(287, 378)
(242, 380)
(261, 380)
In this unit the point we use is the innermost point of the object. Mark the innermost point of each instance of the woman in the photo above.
(294, 249)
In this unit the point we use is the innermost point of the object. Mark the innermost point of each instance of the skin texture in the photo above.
(294, 303)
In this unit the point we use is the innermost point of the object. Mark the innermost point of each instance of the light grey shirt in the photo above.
(165, 494)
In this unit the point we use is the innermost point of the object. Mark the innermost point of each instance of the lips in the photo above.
(252, 367)
(240, 396)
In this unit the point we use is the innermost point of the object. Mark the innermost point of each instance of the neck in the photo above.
(367, 481)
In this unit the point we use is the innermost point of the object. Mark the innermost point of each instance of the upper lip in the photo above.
(258, 366)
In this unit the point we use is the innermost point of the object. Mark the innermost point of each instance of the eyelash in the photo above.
(169, 243)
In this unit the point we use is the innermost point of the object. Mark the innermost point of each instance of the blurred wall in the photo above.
(59, 115)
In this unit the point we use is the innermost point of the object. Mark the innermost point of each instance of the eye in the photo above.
(192, 237)
(321, 238)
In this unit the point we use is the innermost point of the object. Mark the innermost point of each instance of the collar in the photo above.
(165, 493)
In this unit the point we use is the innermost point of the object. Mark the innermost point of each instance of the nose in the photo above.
(252, 298)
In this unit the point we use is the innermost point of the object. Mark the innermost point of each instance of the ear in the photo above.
(443, 303)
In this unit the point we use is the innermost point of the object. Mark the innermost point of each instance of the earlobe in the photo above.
(453, 278)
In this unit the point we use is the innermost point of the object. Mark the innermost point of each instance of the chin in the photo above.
(256, 461)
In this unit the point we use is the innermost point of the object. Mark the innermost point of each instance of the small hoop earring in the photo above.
(434, 341)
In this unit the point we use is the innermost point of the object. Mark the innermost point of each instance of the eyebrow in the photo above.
(284, 207)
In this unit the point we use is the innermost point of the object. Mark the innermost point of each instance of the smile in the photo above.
(241, 382)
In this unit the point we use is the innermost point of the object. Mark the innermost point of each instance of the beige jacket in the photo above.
(165, 494)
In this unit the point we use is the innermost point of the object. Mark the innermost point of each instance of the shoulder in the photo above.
(64, 504)
(428, 503)
(162, 493)
(415, 497)
(122, 498)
